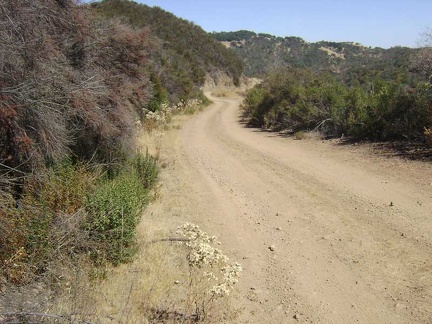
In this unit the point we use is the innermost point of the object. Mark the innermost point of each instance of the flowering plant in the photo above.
(211, 261)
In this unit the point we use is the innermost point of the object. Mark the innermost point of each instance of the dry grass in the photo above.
(306, 135)
(225, 92)
(231, 91)
(157, 287)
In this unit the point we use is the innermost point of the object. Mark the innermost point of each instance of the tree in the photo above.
(423, 60)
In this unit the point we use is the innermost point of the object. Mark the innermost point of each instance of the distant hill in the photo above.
(187, 53)
(349, 60)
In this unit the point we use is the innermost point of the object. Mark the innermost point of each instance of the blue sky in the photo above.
(382, 23)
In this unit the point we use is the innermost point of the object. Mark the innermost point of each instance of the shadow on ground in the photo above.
(415, 151)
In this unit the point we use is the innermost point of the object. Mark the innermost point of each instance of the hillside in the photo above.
(186, 53)
(339, 89)
(351, 61)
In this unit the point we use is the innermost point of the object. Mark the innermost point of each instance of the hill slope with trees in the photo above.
(186, 53)
(337, 88)
(350, 61)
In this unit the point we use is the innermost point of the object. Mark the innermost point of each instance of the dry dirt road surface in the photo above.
(325, 233)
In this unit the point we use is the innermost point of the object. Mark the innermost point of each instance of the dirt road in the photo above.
(325, 234)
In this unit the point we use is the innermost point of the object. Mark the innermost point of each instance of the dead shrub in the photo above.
(68, 75)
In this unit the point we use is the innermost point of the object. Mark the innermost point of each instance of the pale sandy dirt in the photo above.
(351, 232)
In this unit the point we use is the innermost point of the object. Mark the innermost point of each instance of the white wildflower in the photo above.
(210, 260)
(220, 290)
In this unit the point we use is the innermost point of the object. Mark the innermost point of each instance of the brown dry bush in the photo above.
(71, 84)
(65, 76)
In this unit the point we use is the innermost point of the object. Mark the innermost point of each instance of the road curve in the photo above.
(325, 235)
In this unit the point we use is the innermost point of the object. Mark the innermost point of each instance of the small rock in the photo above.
(278, 214)
(176, 282)
(391, 204)
(272, 247)
(296, 316)
(278, 228)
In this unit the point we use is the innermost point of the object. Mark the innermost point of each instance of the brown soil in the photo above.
(351, 231)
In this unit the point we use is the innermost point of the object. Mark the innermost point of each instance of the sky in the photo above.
(378, 23)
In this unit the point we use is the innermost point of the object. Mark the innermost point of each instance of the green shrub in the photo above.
(64, 211)
(298, 100)
(114, 209)
(146, 168)
(254, 97)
